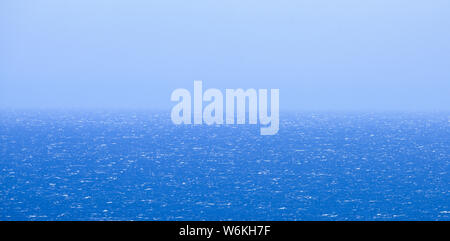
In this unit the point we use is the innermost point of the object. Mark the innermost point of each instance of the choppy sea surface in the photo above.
(74, 165)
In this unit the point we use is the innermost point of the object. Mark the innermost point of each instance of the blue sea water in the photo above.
(69, 165)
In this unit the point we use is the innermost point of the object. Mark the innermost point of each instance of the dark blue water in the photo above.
(139, 166)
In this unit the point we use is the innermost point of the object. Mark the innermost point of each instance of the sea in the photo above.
(138, 165)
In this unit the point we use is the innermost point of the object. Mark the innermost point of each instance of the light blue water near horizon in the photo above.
(137, 165)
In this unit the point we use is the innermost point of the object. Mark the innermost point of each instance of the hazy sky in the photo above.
(322, 55)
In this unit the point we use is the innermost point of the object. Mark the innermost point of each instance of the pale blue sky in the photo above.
(321, 54)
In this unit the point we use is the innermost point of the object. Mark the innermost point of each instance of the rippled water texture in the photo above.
(139, 166)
